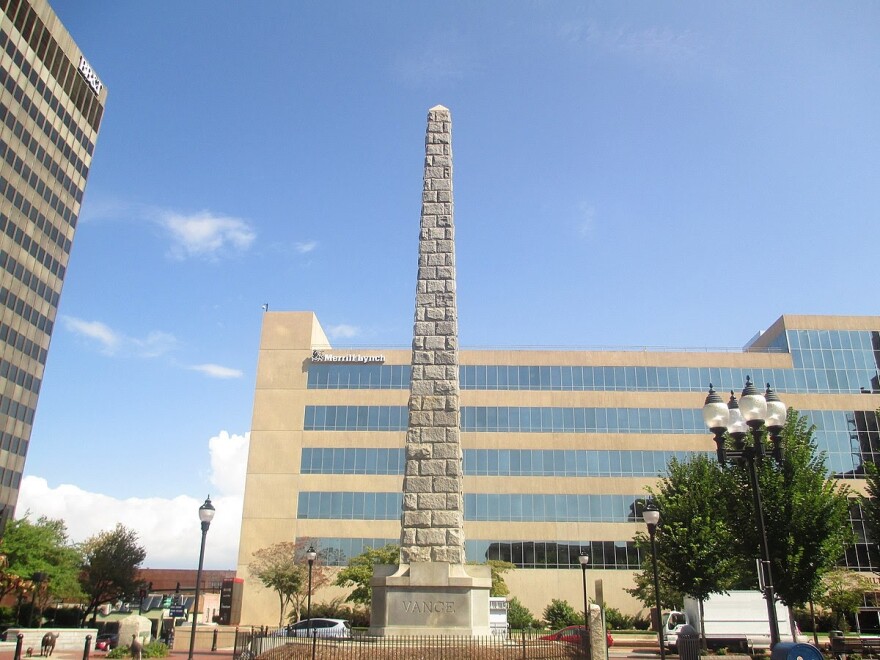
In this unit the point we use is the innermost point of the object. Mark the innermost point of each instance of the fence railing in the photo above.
(280, 644)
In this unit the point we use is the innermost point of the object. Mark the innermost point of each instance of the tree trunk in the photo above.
(813, 619)
(703, 626)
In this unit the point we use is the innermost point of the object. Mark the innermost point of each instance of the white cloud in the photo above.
(107, 338)
(305, 247)
(168, 528)
(343, 331)
(204, 234)
(217, 371)
(112, 342)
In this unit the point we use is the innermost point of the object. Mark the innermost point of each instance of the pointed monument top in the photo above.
(439, 107)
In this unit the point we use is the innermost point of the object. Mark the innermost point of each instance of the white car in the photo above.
(320, 628)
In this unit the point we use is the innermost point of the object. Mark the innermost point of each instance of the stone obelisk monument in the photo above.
(432, 591)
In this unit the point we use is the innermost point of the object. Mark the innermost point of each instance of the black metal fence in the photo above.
(281, 645)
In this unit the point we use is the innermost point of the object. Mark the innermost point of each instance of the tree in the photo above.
(283, 568)
(111, 563)
(693, 538)
(843, 593)
(670, 597)
(806, 515)
(41, 546)
(871, 500)
(559, 614)
(519, 617)
(359, 572)
(499, 568)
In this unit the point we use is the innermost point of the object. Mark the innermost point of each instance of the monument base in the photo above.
(430, 598)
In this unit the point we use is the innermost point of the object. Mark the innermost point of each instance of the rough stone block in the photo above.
(417, 519)
(410, 501)
(429, 501)
(444, 357)
(453, 468)
(446, 518)
(408, 537)
(430, 467)
(418, 485)
(446, 450)
(417, 418)
(443, 418)
(419, 451)
(446, 485)
(430, 536)
(423, 357)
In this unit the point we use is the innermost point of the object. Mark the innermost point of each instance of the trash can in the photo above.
(838, 645)
(795, 651)
(689, 643)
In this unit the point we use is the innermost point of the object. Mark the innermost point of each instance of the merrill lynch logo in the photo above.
(90, 76)
(321, 356)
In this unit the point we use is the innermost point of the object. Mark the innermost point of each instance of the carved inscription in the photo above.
(426, 606)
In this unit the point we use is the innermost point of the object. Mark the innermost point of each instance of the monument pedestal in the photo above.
(430, 598)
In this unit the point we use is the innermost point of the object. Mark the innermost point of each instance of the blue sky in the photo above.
(661, 174)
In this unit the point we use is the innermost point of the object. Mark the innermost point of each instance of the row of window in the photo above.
(38, 37)
(12, 443)
(856, 340)
(518, 507)
(850, 438)
(510, 419)
(535, 507)
(622, 555)
(499, 462)
(16, 410)
(31, 143)
(607, 555)
(18, 235)
(857, 372)
(19, 376)
(25, 311)
(23, 275)
(30, 211)
(12, 337)
(33, 180)
(45, 124)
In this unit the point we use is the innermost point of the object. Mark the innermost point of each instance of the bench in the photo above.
(844, 646)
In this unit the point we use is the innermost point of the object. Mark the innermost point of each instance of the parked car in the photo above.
(106, 642)
(574, 635)
(320, 628)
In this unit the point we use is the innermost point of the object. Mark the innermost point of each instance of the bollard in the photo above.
(87, 647)
(19, 640)
(214, 641)
(314, 642)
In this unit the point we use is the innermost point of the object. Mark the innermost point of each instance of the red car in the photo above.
(573, 635)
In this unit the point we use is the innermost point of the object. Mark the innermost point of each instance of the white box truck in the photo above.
(734, 619)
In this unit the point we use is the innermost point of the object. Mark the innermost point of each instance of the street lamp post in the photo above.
(311, 555)
(760, 414)
(652, 516)
(206, 515)
(584, 559)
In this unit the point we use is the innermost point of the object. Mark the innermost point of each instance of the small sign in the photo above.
(177, 611)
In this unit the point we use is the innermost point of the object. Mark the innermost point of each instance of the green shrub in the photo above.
(559, 614)
(151, 650)
(616, 620)
(519, 617)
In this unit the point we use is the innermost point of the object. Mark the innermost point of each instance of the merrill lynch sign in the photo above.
(321, 356)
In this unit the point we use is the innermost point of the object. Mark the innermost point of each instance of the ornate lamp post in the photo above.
(584, 559)
(760, 414)
(651, 515)
(206, 515)
(311, 555)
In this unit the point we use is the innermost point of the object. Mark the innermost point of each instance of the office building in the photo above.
(557, 445)
(51, 104)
